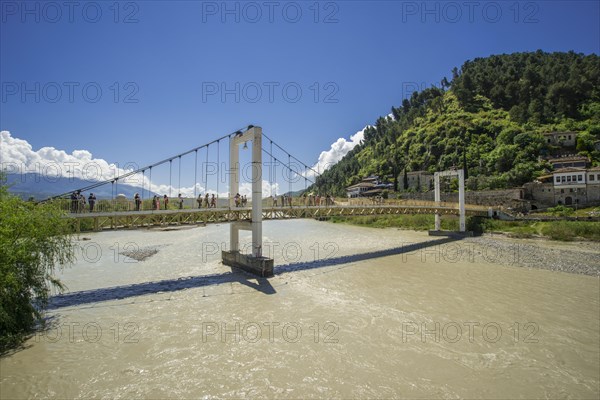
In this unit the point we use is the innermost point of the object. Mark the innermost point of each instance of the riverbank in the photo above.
(553, 230)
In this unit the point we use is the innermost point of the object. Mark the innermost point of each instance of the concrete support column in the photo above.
(234, 187)
(257, 192)
(254, 263)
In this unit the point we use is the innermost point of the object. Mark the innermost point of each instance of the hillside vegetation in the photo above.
(488, 120)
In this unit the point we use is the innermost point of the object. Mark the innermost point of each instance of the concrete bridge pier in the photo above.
(460, 174)
(254, 263)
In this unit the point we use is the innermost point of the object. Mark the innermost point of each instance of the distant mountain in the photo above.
(41, 187)
(297, 193)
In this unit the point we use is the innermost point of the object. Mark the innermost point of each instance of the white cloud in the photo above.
(338, 150)
(17, 156)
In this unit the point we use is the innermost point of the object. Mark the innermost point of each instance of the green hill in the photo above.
(488, 120)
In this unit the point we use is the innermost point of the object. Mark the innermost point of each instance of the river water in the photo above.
(339, 319)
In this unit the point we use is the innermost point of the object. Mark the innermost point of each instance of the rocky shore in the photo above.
(572, 257)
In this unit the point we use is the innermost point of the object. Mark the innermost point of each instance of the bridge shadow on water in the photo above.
(235, 276)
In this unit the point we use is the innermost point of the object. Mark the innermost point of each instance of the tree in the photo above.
(585, 142)
(34, 240)
(445, 84)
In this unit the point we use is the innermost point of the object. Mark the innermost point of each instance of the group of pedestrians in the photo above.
(155, 202)
(206, 201)
(318, 200)
(78, 202)
(285, 200)
(240, 201)
(309, 200)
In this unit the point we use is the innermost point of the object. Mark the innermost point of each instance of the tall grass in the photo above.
(570, 230)
(412, 222)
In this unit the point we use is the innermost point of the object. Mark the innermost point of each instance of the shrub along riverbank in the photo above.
(554, 230)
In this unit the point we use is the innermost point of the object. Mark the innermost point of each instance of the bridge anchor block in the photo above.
(260, 266)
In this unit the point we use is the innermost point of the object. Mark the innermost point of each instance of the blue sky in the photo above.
(161, 66)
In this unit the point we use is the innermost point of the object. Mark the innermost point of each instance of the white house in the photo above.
(593, 176)
(570, 177)
(370, 186)
(358, 189)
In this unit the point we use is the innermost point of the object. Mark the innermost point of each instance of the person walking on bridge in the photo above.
(81, 203)
(74, 202)
(180, 201)
(92, 201)
(166, 201)
(138, 201)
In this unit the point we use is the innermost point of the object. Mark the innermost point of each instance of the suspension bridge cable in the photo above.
(284, 150)
(179, 183)
(195, 172)
(206, 171)
(143, 183)
(271, 171)
(284, 165)
(305, 182)
(150, 183)
(218, 166)
(170, 175)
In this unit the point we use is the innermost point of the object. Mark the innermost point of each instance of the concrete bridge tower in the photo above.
(254, 263)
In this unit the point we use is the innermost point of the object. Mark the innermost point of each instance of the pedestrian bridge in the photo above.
(99, 221)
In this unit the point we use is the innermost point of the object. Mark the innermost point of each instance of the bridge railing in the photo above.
(128, 205)
(410, 203)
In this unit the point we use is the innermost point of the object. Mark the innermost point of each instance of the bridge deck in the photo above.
(132, 219)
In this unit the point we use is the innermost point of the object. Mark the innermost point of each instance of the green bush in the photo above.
(34, 239)
(561, 211)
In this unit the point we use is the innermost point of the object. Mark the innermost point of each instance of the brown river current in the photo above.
(338, 320)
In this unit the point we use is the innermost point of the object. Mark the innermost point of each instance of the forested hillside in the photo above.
(488, 120)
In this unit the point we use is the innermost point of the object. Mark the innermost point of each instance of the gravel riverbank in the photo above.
(572, 257)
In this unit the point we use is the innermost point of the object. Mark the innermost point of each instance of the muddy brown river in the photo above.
(352, 312)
